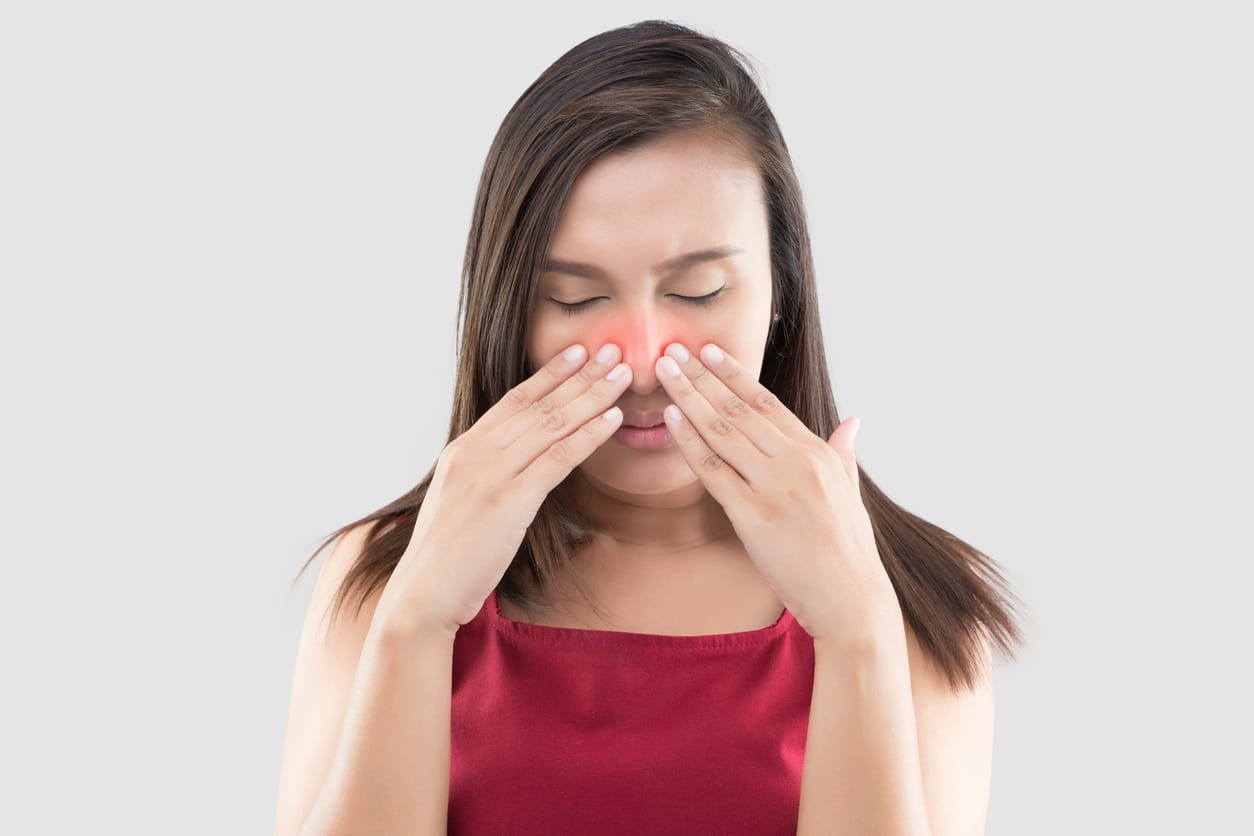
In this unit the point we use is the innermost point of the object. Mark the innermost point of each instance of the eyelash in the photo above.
(571, 309)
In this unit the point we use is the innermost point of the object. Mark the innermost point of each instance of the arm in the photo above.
(390, 774)
(891, 747)
(367, 740)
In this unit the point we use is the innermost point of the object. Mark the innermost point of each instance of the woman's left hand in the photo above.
(793, 498)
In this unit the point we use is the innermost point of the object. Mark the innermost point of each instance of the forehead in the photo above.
(671, 193)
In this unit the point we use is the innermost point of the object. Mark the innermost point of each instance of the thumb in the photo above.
(842, 441)
(845, 434)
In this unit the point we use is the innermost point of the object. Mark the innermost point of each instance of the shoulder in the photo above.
(326, 662)
(329, 617)
(955, 734)
(344, 553)
(926, 672)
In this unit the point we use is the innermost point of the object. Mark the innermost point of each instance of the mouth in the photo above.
(653, 437)
(643, 419)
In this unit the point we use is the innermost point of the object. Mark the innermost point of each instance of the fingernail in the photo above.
(711, 355)
(606, 354)
(668, 366)
(573, 354)
(678, 352)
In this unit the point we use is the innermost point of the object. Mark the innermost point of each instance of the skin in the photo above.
(886, 732)
(626, 214)
(889, 740)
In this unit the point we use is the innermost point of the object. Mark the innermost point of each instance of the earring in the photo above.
(775, 318)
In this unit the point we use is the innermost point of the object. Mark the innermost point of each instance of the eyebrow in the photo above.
(671, 265)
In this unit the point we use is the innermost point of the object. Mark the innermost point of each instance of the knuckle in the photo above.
(544, 405)
(772, 514)
(712, 463)
(601, 388)
(490, 497)
(553, 421)
(559, 451)
(766, 402)
(734, 407)
(554, 371)
(451, 462)
(454, 450)
(516, 397)
(721, 426)
(808, 481)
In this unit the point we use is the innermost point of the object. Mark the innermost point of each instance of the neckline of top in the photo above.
(569, 635)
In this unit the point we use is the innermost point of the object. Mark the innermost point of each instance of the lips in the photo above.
(643, 419)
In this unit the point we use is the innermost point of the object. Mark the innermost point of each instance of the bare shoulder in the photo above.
(955, 733)
(926, 673)
(340, 559)
(326, 664)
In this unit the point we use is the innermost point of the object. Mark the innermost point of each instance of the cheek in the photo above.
(640, 341)
(644, 339)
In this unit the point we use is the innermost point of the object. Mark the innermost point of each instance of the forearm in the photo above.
(390, 774)
(861, 773)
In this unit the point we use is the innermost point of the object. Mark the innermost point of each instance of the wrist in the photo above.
(874, 627)
(407, 625)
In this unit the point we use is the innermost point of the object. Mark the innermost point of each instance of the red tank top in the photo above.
(558, 731)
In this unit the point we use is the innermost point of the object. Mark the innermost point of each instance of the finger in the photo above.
(719, 478)
(763, 402)
(842, 441)
(548, 401)
(729, 391)
(547, 423)
(546, 380)
(719, 428)
(556, 462)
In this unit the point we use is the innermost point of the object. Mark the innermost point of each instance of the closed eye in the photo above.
(575, 307)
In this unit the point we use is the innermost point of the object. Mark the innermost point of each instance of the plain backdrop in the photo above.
(230, 242)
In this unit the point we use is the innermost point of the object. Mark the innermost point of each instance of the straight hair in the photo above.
(613, 92)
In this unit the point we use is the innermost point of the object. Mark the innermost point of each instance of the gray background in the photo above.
(231, 241)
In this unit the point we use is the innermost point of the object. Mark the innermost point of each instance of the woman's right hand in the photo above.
(489, 484)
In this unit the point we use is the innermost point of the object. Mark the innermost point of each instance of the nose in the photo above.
(643, 339)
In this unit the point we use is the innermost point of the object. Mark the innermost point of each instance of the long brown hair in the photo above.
(612, 92)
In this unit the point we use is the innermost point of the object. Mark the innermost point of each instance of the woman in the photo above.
(646, 588)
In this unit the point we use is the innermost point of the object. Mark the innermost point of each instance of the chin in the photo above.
(637, 472)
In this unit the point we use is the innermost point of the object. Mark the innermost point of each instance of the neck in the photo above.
(676, 521)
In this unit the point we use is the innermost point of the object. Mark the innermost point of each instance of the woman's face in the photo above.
(628, 214)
